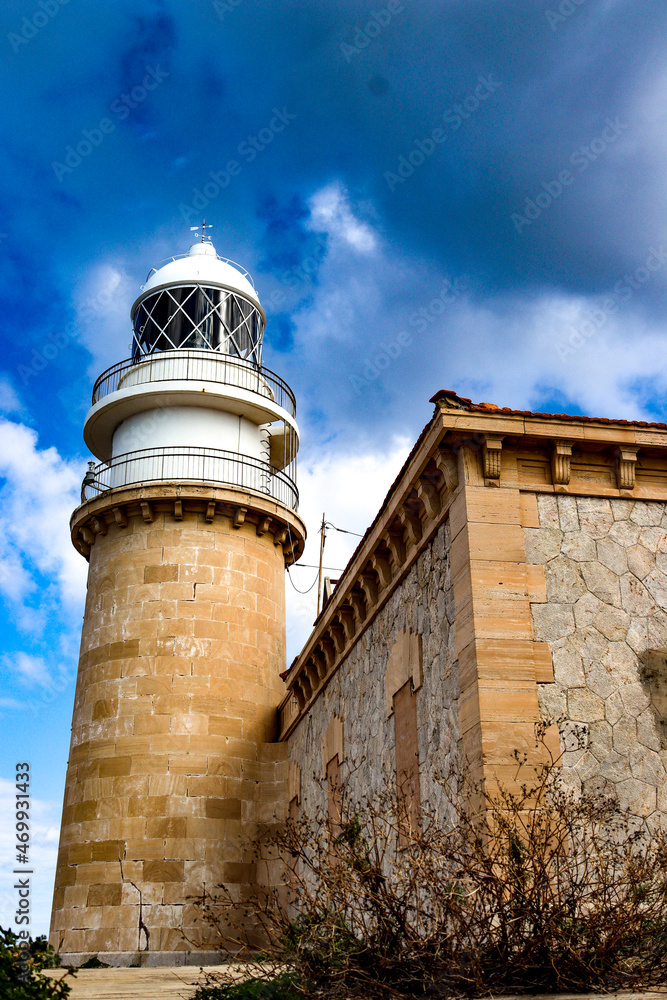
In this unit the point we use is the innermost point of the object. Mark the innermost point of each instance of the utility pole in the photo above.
(319, 576)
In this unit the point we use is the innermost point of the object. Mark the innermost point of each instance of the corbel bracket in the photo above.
(626, 461)
(561, 458)
(492, 451)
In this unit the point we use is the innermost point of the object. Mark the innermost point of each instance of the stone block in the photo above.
(529, 515)
(161, 573)
(165, 826)
(243, 873)
(84, 811)
(183, 848)
(638, 797)
(624, 735)
(189, 764)
(88, 874)
(107, 850)
(224, 726)
(584, 706)
(205, 785)
(564, 583)
(104, 895)
(114, 766)
(167, 784)
(552, 621)
(542, 544)
(496, 542)
(578, 546)
(147, 764)
(217, 808)
(79, 854)
(189, 722)
(147, 725)
(154, 805)
(163, 871)
(595, 516)
(144, 850)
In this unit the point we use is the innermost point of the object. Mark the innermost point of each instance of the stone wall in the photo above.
(421, 604)
(605, 620)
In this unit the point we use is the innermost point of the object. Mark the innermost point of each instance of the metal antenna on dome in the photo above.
(204, 227)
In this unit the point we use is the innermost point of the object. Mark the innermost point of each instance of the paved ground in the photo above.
(179, 983)
(176, 983)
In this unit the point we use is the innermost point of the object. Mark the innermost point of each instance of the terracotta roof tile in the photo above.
(467, 404)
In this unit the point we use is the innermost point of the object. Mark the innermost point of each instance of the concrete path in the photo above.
(173, 983)
(179, 983)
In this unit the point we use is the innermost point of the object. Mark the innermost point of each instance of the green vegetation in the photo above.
(21, 964)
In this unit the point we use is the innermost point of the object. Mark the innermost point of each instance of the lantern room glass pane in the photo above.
(199, 318)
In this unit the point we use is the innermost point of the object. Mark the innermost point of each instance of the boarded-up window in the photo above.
(407, 762)
(333, 799)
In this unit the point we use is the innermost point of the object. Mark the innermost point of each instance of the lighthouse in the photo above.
(188, 518)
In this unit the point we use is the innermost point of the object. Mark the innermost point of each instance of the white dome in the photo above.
(200, 266)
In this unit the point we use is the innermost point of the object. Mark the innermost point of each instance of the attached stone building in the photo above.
(516, 572)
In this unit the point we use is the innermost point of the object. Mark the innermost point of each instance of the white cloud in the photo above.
(348, 486)
(44, 833)
(506, 349)
(330, 210)
(9, 400)
(39, 492)
(514, 353)
(32, 669)
(102, 302)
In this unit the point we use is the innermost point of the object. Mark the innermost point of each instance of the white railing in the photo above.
(200, 366)
(202, 465)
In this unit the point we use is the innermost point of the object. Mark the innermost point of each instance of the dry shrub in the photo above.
(534, 891)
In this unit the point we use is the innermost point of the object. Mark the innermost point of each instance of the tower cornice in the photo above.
(116, 507)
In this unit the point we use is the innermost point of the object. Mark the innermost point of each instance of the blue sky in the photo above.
(469, 195)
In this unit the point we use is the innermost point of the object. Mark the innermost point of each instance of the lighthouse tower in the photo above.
(187, 522)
